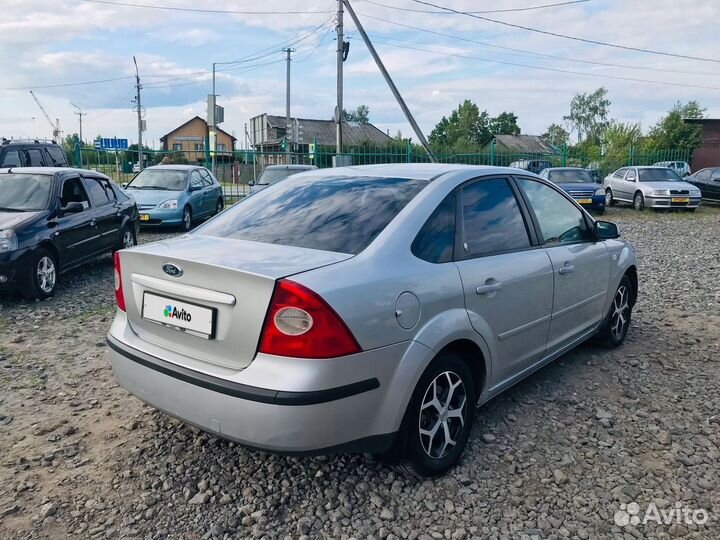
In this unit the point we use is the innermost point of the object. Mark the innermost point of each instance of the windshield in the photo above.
(571, 176)
(658, 175)
(270, 176)
(341, 214)
(25, 192)
(168, 180)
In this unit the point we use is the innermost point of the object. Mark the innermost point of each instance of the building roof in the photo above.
(700, 120)
(323, 131)
(529, 144)
(164, 137)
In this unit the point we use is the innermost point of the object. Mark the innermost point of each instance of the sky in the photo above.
(445, 59)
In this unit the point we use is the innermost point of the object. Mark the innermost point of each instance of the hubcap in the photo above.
(638, 202)
(46, 274)
(442, 414)
(128, 240)
(608, 198)
(187, 219)
(621, 312)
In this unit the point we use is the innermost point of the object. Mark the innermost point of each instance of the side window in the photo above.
(98, 192)
(206, 178)
(561, 222)
(630, 177)
(11, 159)
(73, 191)
(491, 219)
(119, 195)
(56, 156)
(434, 243)
(196, 180)
(33, 157)
(620, 174)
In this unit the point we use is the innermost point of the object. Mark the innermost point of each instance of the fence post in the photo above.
(409, 151)
(492, 151)
(564, 155)
(632, 155)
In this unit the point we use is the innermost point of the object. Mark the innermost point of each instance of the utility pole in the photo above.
(340, 60)
(214, 121)
(389, 81)
(139, 114)
(80, 115)
(288, 127)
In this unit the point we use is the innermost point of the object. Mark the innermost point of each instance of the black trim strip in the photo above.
(243, 391)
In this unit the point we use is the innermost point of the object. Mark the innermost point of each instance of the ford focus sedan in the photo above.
(650, 187)
(176, 195)
(579, 184)
(367, 308)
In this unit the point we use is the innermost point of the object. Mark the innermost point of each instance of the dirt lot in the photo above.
(555, 457)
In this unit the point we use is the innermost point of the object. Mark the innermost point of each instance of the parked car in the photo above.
(342, 310)
(680, 167)
(579, 184)
(53, 219)
(136, 167)
(275, 173)
(531, 165)
(650, 187)
(31, 153)
(708, 181)
(176, 195)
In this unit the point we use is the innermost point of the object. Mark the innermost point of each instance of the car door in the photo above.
(712, 185)
(77, 233)
(624, 184)
(106, 214)
(197, 194)
(581, 264)
(507, 281)
(34, 157)
(209, 192)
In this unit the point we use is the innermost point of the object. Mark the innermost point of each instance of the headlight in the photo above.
(695, 192)
(660, 192)
(600, 191)
(168, 205)
(8, 241)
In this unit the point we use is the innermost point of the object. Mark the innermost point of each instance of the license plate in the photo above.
(680, 199)
(584, 201)
(144, 217)
(192, 318)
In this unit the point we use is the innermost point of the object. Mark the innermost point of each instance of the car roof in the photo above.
(171, 167)
(51, 171)
(418, 171)
(292, 166)
(9, 142)
(565, 169)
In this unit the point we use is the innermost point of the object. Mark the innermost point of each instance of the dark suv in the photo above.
(21, 153)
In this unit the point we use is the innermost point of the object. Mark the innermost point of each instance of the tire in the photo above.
(219, 206)
(639, 202)
(617, 322)
(609, 199)
(186, 224)
(433, 455)
(127, 239)
(43, 276)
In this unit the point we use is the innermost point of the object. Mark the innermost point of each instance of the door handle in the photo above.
(567, 269)
(93, 222)
(491, 286)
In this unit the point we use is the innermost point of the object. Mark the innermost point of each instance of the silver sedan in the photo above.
(650, 187)
(367, 308)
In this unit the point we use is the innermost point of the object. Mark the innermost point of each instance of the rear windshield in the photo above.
(270, 176)
(658, 175)
(341, 214)
(579, 176)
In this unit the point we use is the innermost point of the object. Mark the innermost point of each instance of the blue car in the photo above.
(175, 195)
(579, 184)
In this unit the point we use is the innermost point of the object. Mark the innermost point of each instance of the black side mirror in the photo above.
(251, 183)
(72, 208)
(604, 230)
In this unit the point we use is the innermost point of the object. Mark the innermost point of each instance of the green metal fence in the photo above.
(236, 170)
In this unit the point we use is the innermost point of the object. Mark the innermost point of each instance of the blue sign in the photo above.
(111, 144)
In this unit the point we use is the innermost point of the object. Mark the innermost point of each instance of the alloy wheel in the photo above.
(620, 317)
(442, 414)
(608, 198)
(46, 274)
(187, 219)
(638, 202)
(128, 240)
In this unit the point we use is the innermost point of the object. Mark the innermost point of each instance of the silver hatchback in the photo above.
(367, 308)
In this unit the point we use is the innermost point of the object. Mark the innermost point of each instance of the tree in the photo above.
(672, 133)
(504, 124)
(621, 135)
(556, 135)
(588, 115)
(361, 115)
(465, 129)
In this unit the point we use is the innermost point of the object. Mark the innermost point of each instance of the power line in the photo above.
(36, 87)
(556, 70)
(508, 10)
(564, 36)
(236, 71)
(541, 55)
(198, 10)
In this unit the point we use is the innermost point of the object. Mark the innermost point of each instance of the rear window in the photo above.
(57, 157)
(341, 214)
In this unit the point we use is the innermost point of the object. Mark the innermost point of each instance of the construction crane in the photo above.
(56, 126)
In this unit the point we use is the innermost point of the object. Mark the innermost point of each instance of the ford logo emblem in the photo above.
(172, 270)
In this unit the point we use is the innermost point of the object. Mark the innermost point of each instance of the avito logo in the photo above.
(174, 313)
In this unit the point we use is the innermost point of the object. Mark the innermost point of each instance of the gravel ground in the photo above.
(555, 457)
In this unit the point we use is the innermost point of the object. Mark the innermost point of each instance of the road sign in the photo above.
(111, 144)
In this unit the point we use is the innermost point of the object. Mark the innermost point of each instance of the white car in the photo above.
(275, 173)
(680, 167)
(650, 187)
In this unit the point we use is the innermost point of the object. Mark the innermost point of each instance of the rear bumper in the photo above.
(293, 413)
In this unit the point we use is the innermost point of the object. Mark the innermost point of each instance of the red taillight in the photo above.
(300, 324)
(119, 295)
